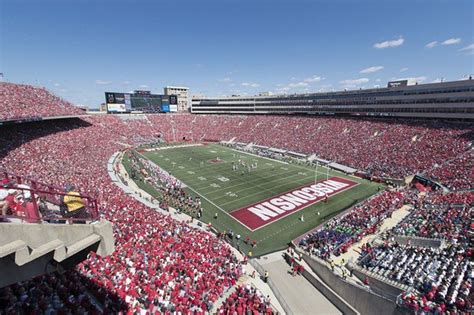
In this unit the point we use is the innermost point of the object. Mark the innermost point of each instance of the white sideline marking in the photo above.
(197, 193)
(262, 157)
(174, 147)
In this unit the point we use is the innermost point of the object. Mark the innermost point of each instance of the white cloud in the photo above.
(143, 86)
(403, 69)
(325, 88)
(56, 84)
(390, 43)
(126, 82)
(298, 84)
(437, 80)
(451, 41)
(378, 80)
(468, 49)
(225, 80)
(254, 85)
(102, 82)
(354, 82)
(372, 69)
(283, 89)
(431, 44)
(313, 78)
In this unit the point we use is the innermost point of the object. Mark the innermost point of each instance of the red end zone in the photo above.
(275, 208)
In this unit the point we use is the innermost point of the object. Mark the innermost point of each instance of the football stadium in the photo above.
(357, 199)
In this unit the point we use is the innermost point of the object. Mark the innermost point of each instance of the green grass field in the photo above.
(222, 190)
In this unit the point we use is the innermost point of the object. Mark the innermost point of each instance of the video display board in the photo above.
(140, 101)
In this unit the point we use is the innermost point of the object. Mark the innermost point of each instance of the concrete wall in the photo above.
(360, 298)
(36, 235)
(328, 293)
(11, 272)
(29, 250)
(418, 241)
(377, 285)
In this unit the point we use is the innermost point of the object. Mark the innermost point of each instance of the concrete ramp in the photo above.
(300, 295)
(29, 250)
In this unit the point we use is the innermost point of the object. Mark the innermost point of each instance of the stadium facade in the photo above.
(447, 100)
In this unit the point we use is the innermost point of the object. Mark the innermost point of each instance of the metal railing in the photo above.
(31, 200)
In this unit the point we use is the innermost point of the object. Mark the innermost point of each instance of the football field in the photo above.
(258, 197)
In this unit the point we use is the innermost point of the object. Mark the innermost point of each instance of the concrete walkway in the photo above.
(300, 295)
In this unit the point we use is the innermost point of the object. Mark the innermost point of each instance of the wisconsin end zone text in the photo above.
(272, 209)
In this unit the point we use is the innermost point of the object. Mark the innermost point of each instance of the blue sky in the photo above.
(80, 48)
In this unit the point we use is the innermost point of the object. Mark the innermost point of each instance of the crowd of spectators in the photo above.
(58, 294)
(341, 232)
(25, 102)
(246, 300)
(384, 148)
(163, 265)
(159, 264)
(439, 215)
(458, 173)
(442, 276)
(381, 147)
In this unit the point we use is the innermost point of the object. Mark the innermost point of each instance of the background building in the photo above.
(183, 96)
(435, 100)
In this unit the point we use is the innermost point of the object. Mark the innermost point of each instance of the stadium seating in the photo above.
(161, 264)
(443, 216)
(382, 147)
(340, 232)
(57, 294)
(25, 102)
(246, 300)
(166, 262)
(456, 174)
(442, 276)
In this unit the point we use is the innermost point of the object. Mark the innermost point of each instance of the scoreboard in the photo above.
(140, 101)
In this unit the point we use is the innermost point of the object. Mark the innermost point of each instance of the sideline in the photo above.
(173, 147)
(262, 157)
(204, 197)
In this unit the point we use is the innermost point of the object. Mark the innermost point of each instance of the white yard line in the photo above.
(268, 189)
(174, 147)
(262, 157)
(284, 174)
(308, 168)
(204, 197)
